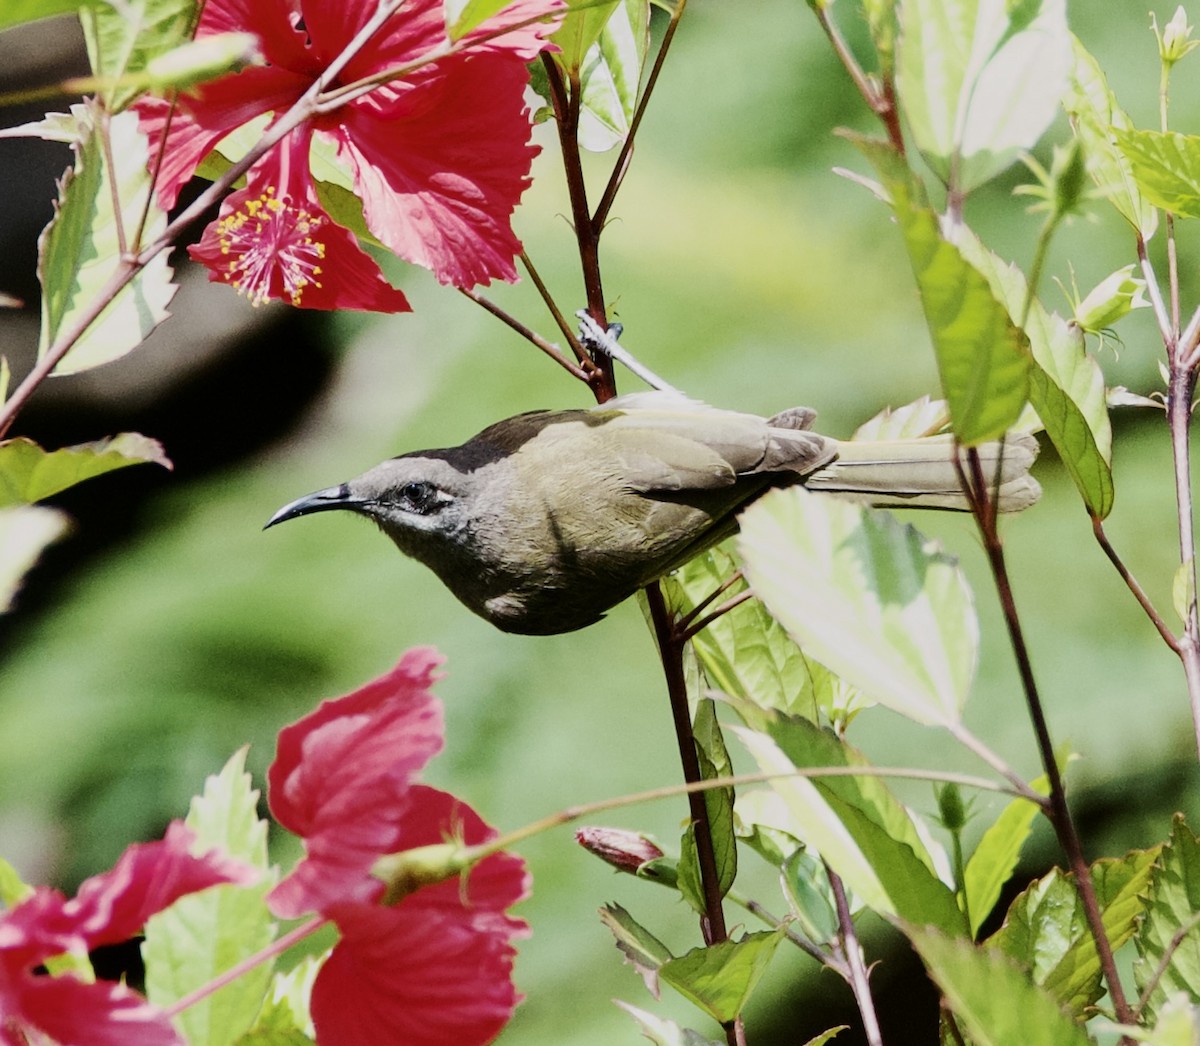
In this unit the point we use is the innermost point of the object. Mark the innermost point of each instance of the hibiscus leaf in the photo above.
(1095, 116)
(284, 1019)
(12, 889)
(202, 935)
(714, 762)
(720, 978)
(610, 75)
(79, 251)
(1166, 167)
(1047, 932)
(1066, 386)
(981, 355)
(122, 41)
(993, 996)
(17, 12)
(662, 1032)
(980, 81)
(24, 531)
(580, 29)
(871, 599)
(995, 857)
(28, 473)
(1171, 929)
(642, 950)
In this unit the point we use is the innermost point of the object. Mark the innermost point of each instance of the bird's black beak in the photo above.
(319, 501)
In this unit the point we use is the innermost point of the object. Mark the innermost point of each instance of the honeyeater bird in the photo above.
(546, 520)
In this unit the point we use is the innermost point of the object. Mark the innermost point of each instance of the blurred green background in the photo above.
(170, 630)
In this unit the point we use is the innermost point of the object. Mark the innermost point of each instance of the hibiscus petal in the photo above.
(340, 779)
(102, 1014)
(441, 169)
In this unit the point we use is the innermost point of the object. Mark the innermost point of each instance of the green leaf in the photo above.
(1095, 116)
(12, 890)
(993, 996)
(1166, 167)
(663, 1032)
(1046, 929)
(28, 473)
(24, 531)
(642, 950)
(464, 15)
(1183, 588)
(1066, 386)
(982, 356)
(202, 935)
(923, 417)
(580, 30)
(80, 250)
(714, 762)
(854, 823)
(873, 600)
(720, 978)
(1178, 1020)
(610, 75)
(284, 1019)
(1171, 930)
(809, 896)
(122, 41)
(994, 859)
(16, 12)
(980, 81)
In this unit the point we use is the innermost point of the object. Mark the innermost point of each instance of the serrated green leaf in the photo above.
(610, 75)
(714, 762)
(1046, 929)
(202, 935)
(720, 978)
(810, 897)
(12, 890)
(1183, 589)
(79, 252)
(641, 949)
(1066, 384)
(923, 417)
(123, 41)
(24, 531)
(28, 473)
(980, 81)
(992, 863)
(1095, 115)
(579, 31)
(1178, 1020)
(871, 599)
(663, 1032)
(1166, 167)
(854, 823)
(992, 996)
(284, 1019)
(982, 357)
(1172, 922)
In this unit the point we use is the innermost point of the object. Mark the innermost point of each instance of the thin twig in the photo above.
(699, 626)
(1132, 583)
(1156, 300)
(852, 953)
(1177, 939)
(600, 216)
(549, 348)
(798, 939)
(560, 320)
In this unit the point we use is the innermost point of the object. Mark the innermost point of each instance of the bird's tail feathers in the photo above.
(921, 473)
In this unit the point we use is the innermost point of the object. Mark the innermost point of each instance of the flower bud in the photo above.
(1113, 297)
(1174, 41)
(951, 810)
(625, 850)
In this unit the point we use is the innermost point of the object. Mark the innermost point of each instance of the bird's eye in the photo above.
(420, 496)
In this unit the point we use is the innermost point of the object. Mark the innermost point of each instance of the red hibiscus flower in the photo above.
(436, 967)
(439, 157)
(107, 909)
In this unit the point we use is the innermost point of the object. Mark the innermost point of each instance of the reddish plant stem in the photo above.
(1131, 582)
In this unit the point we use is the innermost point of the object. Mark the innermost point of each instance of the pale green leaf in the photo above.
(16, 12)
(923, 417)
(641, 949)
(1183, 589)
(1166, 167)
(720, 978)
(202, 935)
(982, 357)
(1046, 929)
(579, 31)
(284, 1019)
(1178, 1023)
(79, 251)
(24, 531)
(122, 40)
(663, 1032)
(1066, 386)
(854, 823)
(1095, 116)
(464, 15)
(980, 81)
(12, 890)
(1113, 298)
(1171, 930)
(992, 996)
(28, 473)
(610, 75)
(810, 897)
(871, 599)
(992, 863)
(714, 762)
